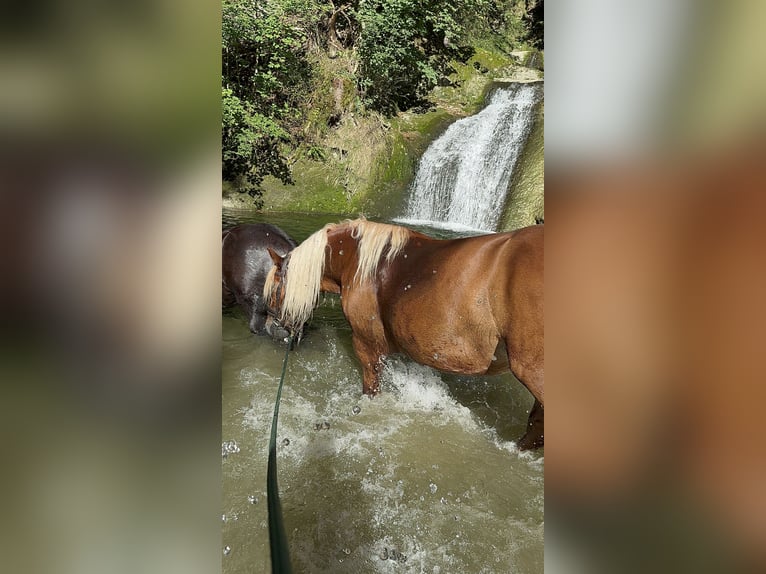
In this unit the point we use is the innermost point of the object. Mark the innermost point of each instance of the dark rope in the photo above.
(280, 554)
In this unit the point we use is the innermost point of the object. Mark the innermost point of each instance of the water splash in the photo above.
(413, 475)
(229, 447)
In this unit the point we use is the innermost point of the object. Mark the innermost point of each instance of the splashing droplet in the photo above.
(356, 410)
(229, 447)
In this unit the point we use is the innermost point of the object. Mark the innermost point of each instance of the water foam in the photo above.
(385, 481)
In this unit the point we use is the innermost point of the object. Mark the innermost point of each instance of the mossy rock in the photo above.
(525, 202)
(315, 190)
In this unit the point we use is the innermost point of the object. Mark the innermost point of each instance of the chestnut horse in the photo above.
(469, 306)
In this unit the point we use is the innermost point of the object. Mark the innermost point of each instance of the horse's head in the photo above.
(274, 296)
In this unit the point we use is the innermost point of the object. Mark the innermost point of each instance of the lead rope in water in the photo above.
(280, 553)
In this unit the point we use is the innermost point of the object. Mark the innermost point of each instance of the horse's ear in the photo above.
(275, 257)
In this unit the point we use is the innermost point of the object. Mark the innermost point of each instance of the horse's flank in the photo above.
(306, 263)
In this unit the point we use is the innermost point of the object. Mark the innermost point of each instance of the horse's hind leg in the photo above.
(533, 438)
(526, 362)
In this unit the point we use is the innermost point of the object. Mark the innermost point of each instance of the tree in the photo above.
(265, 74)
(534, 18)
(406, 45)
(251, 144)
(270, 55)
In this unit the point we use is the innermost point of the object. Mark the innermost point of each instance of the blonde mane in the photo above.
(306, 262)
(373, 239)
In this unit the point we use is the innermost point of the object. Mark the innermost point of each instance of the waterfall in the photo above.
(463, 176)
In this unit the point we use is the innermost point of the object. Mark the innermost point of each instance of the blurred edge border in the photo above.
(110, 207)
(109, 227)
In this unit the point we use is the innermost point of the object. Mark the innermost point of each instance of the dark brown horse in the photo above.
(471, 306)
(245, 264)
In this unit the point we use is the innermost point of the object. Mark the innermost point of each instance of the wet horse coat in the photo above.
(469, 306)
(245, 264)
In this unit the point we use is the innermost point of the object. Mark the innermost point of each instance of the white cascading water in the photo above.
(463, 176)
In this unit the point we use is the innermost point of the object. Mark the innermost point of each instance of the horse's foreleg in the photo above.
(371, 359)
(533, 438)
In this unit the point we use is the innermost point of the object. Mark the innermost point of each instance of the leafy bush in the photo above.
(406, 46)
(251, 144)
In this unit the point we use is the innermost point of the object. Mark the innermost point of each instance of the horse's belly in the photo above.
(455, 333)
(459, 356)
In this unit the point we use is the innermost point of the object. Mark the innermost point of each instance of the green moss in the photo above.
(490, 59)
(525, 200)
(315, 190)
(333, 93)
(470, 81)
(385, 192)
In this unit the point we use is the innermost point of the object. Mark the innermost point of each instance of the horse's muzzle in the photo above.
(278, 331)
(275, 329)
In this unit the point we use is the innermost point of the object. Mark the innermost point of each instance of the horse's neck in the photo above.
(341, 256)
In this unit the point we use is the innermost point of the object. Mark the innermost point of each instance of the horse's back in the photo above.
(255, 235)
(246, 244)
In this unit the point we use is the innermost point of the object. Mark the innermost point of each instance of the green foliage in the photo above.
(263, 59)
(406, 46)
(501, 22)
(265, 71)
(251, 145)
(534, 20)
